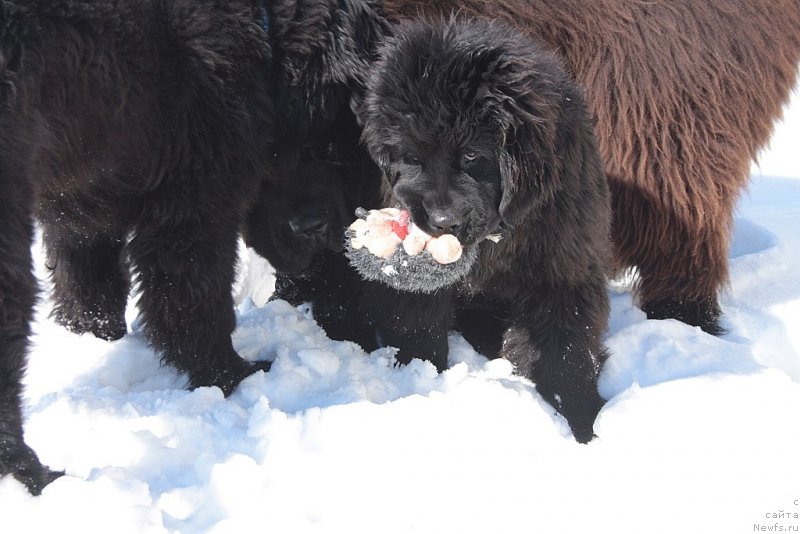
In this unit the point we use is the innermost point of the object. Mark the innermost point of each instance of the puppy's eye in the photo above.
(469, 157)
(409, 158)
(325, 153)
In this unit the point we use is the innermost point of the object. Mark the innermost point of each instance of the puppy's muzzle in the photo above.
(445, 221)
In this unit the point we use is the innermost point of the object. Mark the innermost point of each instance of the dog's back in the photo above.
(101, 87)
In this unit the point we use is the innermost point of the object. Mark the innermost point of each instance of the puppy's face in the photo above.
(303, 212)
(319, 182)
(463, 122)
(448, 179)
(435, 138)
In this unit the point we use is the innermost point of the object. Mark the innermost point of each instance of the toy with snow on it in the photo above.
(385, 246)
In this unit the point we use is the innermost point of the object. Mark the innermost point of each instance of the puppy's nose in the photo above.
(446, 221)
(309, 224)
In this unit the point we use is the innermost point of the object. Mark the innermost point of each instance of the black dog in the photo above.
(298, 224)
(479, 130)
(133, 131)
(322, 54)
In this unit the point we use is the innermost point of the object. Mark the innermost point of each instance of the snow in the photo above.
(700, 434)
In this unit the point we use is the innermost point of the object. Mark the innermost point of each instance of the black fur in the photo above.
(322, 176)
(478, 129)
(323, 51)
(134, 131)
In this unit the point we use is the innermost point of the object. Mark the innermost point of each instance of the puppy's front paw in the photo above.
(19, 460)
(229, 377)
(581, 413)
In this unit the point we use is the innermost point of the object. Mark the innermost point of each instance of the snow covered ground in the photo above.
(701, 434)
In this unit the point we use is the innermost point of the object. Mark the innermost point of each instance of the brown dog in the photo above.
(685, 93)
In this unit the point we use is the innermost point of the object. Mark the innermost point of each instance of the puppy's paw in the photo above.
(107, 327)
(581, 413)
(229, 377)
(19, 460)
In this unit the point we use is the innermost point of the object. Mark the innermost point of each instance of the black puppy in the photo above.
(298, 224)
(132, 131)
(479, 130)
(322, 53)
(321, 177)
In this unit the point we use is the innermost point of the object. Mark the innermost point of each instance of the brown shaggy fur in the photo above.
(685, 93)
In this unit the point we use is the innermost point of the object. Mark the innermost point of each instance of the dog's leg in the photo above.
(17, 297)
(185, 270)
(482, 329)
(555, 340)
(90, 282)
(415, 323)
(682, 265)
(333, 288)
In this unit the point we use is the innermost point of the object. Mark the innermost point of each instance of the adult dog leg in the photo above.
(555, 340)
(17, 297)
(682, 264)
(185, 270)
(90, 282)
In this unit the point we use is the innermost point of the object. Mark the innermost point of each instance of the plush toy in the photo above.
(382, 230)
(384, 245)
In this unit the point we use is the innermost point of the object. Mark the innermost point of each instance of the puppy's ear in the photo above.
(528, 163)
(524, 172)
(547, 138)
